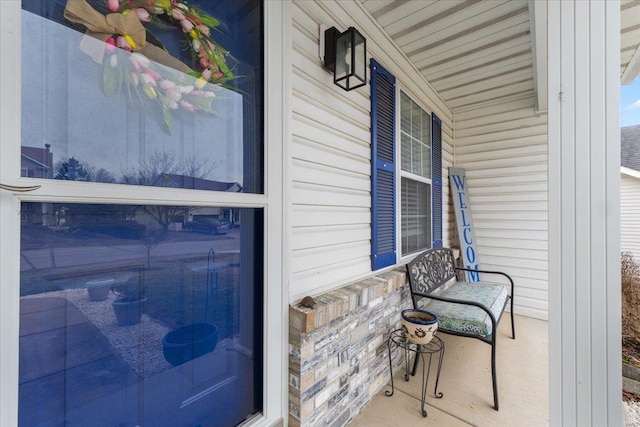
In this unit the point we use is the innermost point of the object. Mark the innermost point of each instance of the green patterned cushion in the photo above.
(466, 318)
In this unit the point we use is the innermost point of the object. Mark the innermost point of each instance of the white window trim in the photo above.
(278, 88)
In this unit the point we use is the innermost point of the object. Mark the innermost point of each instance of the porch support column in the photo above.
(584, 213)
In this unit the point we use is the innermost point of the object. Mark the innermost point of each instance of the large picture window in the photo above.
(141, 270)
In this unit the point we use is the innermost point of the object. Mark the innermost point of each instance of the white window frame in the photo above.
(402, 257)
(277, 42)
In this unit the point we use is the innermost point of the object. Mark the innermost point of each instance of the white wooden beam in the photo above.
(278, 24)
(538, 27)
(584, 213)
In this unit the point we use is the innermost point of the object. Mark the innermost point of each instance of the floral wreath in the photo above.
(130, 62)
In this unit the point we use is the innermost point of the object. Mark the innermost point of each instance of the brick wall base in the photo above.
(338, 354)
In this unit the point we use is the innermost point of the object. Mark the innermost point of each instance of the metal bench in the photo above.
(467, 309)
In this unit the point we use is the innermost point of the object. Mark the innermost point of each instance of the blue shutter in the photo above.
(436, 179)
(383, 168)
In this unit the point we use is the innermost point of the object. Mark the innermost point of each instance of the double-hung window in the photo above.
(406, 173)
(415, 176)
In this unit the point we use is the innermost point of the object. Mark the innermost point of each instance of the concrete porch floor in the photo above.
(465, 381)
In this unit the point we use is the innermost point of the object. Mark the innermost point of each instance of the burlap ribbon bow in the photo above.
(101, 27)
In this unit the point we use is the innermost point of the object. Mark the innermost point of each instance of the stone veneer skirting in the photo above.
(338, 357)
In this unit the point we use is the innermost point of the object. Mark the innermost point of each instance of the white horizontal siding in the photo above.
(504, 152)
(630, 215)
(330, 151)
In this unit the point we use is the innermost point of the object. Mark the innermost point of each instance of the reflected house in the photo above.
(630, 190)
(36, 162)
(182, 181)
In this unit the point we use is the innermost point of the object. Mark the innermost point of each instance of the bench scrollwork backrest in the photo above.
(430, 270)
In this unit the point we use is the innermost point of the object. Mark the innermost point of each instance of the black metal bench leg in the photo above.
(513, 324)
(493, 373)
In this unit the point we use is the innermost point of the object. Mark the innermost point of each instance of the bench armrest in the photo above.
(489, 272)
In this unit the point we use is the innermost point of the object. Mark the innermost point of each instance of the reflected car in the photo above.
(208, 225)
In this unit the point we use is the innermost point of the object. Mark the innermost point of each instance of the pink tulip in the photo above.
(186, 89)
(204, 29)
(166, 84)
(186, 25)
(187, 106)
(153, 73)
(113, 5)
(180, 5)
(143, 60)
(218, 74)
(206, 74)
(110, 45)
(142, 14)
(177, 14)
(147, 79)
(197, 92)
(135, 63)
(122, 44)
(204, 62)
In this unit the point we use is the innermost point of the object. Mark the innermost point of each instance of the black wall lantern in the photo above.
(346, 55)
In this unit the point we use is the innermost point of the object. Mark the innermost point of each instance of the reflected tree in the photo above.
(102, 175)
(195, 167)
(164, 169)
(159, 168)
(150, 239)
(71, 170)
(165, 215)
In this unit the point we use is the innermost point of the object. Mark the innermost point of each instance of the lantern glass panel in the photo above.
(343, 56)
(350, 60)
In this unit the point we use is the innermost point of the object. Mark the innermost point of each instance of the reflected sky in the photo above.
(63, 105)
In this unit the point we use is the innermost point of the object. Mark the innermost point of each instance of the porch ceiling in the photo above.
(630, 40)
(477, 52)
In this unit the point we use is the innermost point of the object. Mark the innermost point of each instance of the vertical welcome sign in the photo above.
(464, 223)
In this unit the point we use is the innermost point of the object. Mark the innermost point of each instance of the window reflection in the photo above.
(110, 122)
(139, 315)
